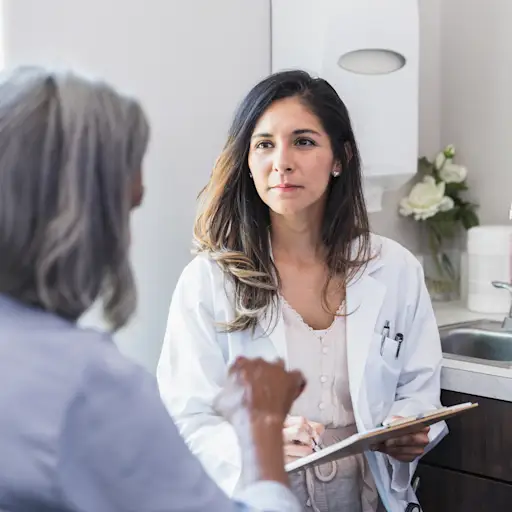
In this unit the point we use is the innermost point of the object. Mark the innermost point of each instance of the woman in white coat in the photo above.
(287, 268)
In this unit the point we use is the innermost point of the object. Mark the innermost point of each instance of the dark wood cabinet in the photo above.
(471, 469)
(445, 490)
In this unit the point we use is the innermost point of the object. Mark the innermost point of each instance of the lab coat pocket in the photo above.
(384, 373)
(390, 352)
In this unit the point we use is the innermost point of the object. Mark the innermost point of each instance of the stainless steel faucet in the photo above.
(507, 321)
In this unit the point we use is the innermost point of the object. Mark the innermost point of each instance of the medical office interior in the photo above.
(446, 110)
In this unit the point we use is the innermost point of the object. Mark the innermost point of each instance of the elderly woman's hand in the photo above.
(260, 390)
(256, 400)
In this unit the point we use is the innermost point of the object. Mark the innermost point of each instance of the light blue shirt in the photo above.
(83, 429)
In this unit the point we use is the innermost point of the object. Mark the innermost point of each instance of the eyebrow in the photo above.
(301, 131)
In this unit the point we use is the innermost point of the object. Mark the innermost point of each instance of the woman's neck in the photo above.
(297, 238)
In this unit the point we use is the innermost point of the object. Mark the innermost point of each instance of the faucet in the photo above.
(507, 321)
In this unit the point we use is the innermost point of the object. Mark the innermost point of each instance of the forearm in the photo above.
(261, 445)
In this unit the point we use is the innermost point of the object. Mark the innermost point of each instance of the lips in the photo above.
(285, 186)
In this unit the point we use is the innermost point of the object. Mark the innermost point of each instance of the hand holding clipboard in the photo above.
(405, 447)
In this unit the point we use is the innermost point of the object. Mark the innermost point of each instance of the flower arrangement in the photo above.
(436, 201)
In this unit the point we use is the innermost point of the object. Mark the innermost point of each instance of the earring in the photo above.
(335, 174)
(250, 175)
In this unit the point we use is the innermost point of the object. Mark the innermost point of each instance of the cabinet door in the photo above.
(479, 442)
(444, 490)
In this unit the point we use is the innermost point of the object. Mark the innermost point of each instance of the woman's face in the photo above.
(291, 158)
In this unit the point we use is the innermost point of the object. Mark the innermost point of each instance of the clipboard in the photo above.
(363, 441)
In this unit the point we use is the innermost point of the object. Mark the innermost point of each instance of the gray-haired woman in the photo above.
(81, 427)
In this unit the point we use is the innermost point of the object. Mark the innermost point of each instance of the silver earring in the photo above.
(250, 175)
(335, 174)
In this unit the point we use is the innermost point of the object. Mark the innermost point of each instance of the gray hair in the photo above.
(69, 149)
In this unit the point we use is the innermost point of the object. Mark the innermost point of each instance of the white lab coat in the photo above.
(196, 355)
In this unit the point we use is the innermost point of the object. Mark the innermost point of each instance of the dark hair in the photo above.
(232, 222)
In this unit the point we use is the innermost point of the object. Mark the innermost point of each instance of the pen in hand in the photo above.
(316, 446)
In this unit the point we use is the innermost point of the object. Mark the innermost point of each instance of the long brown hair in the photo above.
(232, 224)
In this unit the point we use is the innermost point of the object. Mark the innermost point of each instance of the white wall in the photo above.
(388, 222)
(476, 111)
(190, 62)
(465, 99)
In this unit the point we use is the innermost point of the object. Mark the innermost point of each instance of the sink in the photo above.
(480, 341)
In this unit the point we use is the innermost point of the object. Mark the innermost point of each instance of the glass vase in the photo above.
(442, 274)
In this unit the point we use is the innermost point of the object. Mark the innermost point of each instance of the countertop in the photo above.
(452, 312)
(469, 377)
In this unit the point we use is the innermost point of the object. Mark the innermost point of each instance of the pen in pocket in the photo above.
(399, 338)
(384, 334)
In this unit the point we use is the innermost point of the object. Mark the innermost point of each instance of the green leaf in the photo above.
(448, 216)
(443, 226)
(425, 168)
(469, 218)
(448, 229)
(454, 188)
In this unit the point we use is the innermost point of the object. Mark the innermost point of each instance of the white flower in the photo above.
(426, 199)
(453, 173)
(449, 151)
(441, 161)
(444, 157)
